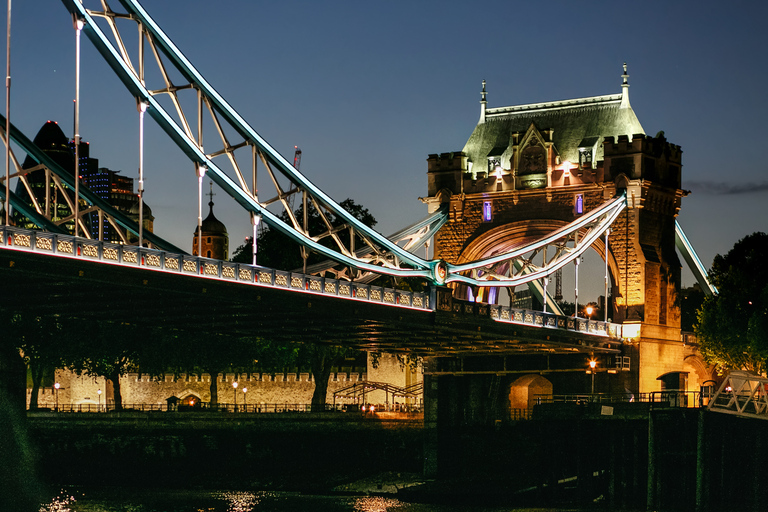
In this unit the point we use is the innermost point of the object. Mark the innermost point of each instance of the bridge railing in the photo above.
(552, 321)
(656, 399)
(44, 242)
(258, 408)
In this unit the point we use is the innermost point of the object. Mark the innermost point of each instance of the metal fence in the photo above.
(258, 408)
(656, 399)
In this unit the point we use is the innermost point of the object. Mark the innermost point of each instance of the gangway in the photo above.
(742, 394)
(359, 389)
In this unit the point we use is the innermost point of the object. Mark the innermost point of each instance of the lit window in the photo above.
(578, 206)
(487, 211)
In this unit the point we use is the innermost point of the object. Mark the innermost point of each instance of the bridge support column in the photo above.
(430, 420)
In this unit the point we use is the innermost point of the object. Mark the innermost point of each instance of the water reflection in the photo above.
(375, 504)
(161, 500)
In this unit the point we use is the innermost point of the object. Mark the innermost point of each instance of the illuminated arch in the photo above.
(517, 234)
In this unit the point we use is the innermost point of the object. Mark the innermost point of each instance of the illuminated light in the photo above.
(487, 211)
(234, 384)
(630, 330)
(592, 363)
(566, 169)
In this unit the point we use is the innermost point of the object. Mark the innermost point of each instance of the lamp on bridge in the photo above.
(234, 391)
(56, 387)
(99, 393)
(589, 310)
(245, 401)
(592, 370)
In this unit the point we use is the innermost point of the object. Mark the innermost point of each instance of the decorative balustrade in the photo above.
(44, 242)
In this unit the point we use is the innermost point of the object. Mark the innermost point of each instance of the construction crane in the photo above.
(297, 158)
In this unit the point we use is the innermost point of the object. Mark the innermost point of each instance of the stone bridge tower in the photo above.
(527, 170)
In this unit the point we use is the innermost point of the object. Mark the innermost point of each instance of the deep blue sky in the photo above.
(368, 89)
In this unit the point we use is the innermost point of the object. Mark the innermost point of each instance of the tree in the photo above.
(732, 326)
(278, 251)
(107, 349)
(40, 341)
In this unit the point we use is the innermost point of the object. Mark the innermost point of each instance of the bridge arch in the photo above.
(515, 234)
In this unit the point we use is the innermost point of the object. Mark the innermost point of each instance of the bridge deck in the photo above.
(90, 289)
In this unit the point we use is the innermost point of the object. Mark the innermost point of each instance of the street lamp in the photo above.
(99, 393)
(245, 401)
(589, 310)
(234, 391)
(592, 365)
(57, 386)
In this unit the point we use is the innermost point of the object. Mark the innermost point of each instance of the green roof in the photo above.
(573, 122)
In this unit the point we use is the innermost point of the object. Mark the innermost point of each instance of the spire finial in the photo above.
(483, 102)
(210, 195)
(625, 88)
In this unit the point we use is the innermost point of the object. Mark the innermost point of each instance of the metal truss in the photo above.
(232, 164)
(742, 394)
(60, 182)
(410, 239)
(553, 251)
(232, 161)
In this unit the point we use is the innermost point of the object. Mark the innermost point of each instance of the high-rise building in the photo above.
(115, 189)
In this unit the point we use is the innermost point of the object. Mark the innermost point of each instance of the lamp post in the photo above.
(56, 387)
(234, 391)
(592, 365)
(589, 310)
(245, 401)
(99, 393)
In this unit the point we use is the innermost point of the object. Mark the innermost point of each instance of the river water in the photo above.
(132, 500)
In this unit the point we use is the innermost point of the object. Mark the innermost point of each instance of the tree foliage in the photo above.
(41, 341)
(732, 326)
(276, 250)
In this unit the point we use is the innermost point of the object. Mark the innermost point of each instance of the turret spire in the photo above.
(483, 103)
(625, 89)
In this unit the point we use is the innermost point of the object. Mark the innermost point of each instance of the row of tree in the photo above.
(111, 349)
(114, 349)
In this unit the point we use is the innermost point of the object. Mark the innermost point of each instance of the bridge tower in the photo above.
(527, 170)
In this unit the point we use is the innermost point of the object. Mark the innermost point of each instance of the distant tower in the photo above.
(215, 240)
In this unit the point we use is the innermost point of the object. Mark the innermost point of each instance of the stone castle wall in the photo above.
(262, 388)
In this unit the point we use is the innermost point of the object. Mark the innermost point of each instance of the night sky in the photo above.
(368, 89)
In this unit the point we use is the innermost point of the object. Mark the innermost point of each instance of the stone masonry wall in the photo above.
(262, 389)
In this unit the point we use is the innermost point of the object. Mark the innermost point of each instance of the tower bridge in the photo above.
(535, 187)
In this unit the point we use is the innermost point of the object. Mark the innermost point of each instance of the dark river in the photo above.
(131, 500)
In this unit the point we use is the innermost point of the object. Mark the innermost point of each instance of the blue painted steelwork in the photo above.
(68, 179)
(596, 222)
(421, 267)
(693, 261)
(68, 246)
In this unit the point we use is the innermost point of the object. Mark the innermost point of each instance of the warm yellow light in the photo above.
(57, 385)
(566, 168)
(592, 363)
(234, 384)
(590, 310)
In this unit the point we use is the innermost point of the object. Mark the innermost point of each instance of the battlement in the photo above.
(643, 157)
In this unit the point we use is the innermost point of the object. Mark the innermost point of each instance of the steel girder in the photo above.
(64, 182)
(518, 266)
(380, 255)
(742, 394)
(230, 124)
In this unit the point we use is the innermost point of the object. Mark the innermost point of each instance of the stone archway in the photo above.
(517, 234)
(523, 392)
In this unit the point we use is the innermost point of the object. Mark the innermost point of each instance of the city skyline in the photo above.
(367, 92)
